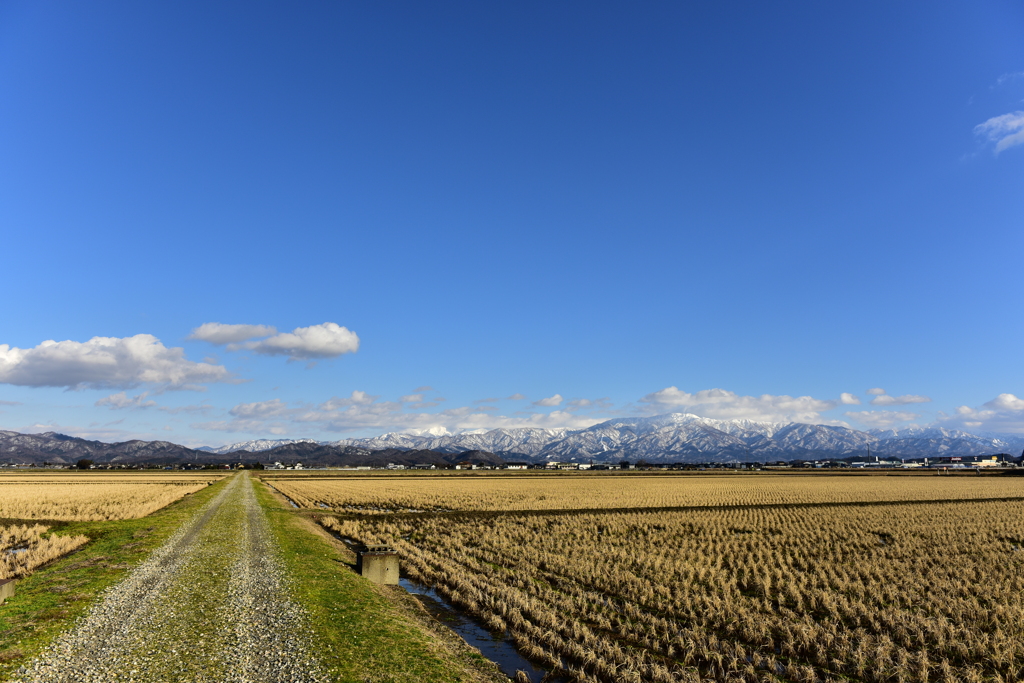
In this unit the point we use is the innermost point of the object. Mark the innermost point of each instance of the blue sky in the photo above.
(342, 219)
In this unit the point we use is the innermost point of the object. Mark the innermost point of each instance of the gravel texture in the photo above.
(210, 605)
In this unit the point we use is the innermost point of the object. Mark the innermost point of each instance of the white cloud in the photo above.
(1003, 414)
(416, 402)
(327, 340)
(260, 410)
(121, 400)
(175, 410)
(886, 400)
(242, 425)
(105, 362)
(549, 402)
(516, 397)
(361, 412)
(219, 333)
(1006, 402)
(876, 392)
(599, 404)
(358, 398)
(1009, 77)
(726, 405)
(880, 419)
(848, 399)
(1005, 131)
(94, 431)
(388, 416)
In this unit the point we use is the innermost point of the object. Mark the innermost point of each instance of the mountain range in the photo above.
(676, 437)
(681, 437)
(61, 449)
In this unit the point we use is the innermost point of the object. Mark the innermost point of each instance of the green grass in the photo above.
(361, 634)
(47, 601)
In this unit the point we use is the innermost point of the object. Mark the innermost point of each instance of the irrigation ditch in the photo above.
(494, 646)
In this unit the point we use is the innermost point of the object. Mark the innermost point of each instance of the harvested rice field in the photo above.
(377, 494)
(92, 497)
(907, 578)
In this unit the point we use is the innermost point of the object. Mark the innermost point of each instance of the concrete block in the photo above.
(379, 563)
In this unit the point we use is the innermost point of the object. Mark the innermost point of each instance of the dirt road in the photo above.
(209, 605)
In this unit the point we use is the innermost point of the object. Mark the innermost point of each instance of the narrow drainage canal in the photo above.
(495, 647)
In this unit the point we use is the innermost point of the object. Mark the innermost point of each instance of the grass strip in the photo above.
(360, 635)
(46, 602)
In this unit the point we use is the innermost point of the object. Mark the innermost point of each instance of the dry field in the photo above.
(903, 592)
(23, 548)
(382, 494)
(92, 497)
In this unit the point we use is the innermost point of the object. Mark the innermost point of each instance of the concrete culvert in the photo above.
(379, 563)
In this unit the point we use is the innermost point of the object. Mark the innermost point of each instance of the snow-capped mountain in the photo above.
(685, 437)
(254, 445)
(524, 441)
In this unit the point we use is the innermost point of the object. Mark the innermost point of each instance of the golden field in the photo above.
(376, 494)
(902, 592)
(92, 497)
(24, 547)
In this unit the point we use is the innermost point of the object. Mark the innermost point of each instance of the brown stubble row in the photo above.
(25, 547)
(904, 592)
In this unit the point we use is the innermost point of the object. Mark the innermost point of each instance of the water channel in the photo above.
(494, 646)
(497, 647)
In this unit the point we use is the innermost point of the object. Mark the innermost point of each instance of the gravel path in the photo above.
(209, 605)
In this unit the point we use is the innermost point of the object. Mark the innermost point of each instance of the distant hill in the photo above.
(327, 455)
(254, 445)
(60, 449)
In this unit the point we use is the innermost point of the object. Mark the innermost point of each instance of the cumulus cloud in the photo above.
(549, 402)
(848, 399)
(1003, 414)
(219, 333)
(875, 392)
(411, 398)
(105, 363)
(726, 405)
(516, 397)
(121, 400)
(886, 400)
(327, 340)
(1006, 402)
(880, 419)
(1004, 131)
